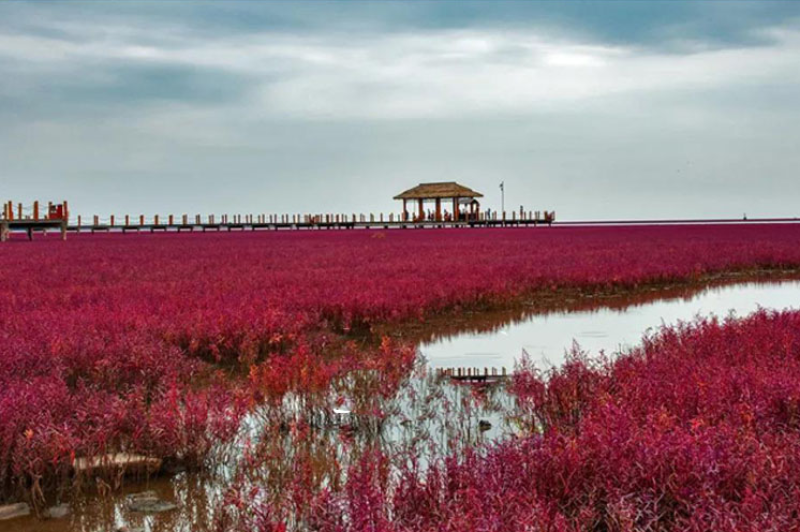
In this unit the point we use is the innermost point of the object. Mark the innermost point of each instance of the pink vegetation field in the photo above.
(158, 344)
(697, 431)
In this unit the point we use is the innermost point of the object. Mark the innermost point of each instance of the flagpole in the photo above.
(502, 200)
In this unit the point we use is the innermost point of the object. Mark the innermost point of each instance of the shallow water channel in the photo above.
(484, 340)
(612, 326)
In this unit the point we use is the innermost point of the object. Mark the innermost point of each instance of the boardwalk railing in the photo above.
(230, 222)
(473, 374)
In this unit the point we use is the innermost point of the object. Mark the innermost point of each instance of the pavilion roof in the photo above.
(446, 189)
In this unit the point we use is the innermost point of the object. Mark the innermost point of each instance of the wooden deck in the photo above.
(30, 227)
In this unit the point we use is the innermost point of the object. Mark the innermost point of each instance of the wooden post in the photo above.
(112, 220)
(141, 219)
(79, 221)
(95, 220)
(36, 211)
(19, 211)
(127, 219)
(155, 220)
(438, 209)
(421, 209)
(4, 231)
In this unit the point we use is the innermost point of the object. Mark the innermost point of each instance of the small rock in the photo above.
(484, 425)
(57, 512)
(10, 511)
(147, 502)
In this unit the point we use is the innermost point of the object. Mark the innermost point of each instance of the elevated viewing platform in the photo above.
(31, 220)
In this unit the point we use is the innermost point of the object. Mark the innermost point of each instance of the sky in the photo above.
(597, 110)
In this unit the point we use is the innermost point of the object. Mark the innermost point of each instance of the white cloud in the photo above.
(432, 74)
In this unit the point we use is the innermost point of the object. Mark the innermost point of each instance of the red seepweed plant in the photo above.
(696, 430)
(141, 343)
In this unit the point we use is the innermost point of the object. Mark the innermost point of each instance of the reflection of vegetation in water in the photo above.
(300, 450)
(565, 301)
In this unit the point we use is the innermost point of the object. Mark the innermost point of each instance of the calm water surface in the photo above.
(547, 337)
(477, 340)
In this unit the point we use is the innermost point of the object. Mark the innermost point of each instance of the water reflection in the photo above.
(497, 341)
(289, 450)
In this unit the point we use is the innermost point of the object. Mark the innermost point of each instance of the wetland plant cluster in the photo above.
(698, 429)
(161, 345)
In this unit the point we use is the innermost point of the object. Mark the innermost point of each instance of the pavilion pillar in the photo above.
(455, 209)
(438, 209)
(421, 210)
(405, 210)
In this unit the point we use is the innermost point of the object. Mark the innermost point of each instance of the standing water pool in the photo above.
(548, 337)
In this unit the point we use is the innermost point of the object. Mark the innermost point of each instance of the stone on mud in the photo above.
(57, 512)
(147, 502)
(10, 511)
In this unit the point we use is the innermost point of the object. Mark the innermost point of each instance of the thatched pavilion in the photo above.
(448, 190)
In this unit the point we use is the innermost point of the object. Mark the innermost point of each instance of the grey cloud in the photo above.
(159, 107)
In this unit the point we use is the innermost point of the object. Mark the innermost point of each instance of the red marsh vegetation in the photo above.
(159, 344)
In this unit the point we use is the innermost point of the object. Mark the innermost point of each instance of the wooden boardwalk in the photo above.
(56, 217)
(474, 375)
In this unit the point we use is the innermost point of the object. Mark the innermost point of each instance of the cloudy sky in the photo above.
(597, 110)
